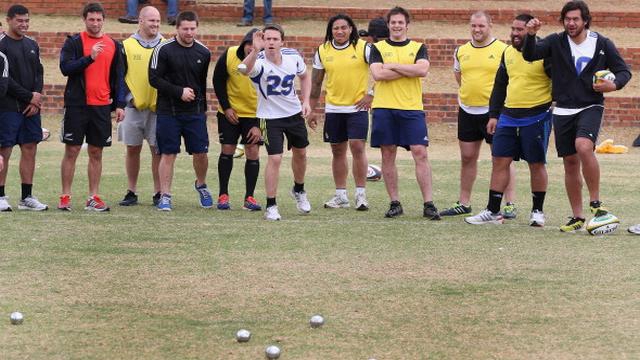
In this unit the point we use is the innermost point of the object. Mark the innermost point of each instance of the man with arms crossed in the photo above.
(343, 57)
(20, 107)
(475, 66)
(91, 61)
(237, 100)
(397, 64)
(178, 69)
(576, 54)
(273, 69)
(140, 114)
(519, 120)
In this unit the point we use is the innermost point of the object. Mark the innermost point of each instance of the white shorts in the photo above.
(137, 126)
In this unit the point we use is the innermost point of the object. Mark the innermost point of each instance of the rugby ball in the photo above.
(374, 173)
(603, 75)
(602, 225)
(239, 151)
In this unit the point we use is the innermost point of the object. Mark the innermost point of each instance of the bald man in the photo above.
(140, 114)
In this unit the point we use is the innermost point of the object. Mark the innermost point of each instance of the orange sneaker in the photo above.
(223, 202)
(65, 202)
(251, 204)
(94, 203)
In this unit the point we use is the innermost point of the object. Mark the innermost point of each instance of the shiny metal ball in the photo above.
(316, 321)
(16, 318)
(243, 335)
(272, 352)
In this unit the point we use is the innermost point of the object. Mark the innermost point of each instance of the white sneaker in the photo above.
(272, 213)
(4, 204)
(537, 218)
(32, 203)
(337, 202)
(302, 203)
(485, 217)
(361, 202)
(634, 229)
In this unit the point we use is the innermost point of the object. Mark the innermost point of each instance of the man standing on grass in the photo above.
(576, 54)
(343, 57)
(237, 100)
(273, 69)
(475, 66)
(519, 120)
(92, 63)
(397, 64)
(139, 121)
(178, 69)
(20, 106)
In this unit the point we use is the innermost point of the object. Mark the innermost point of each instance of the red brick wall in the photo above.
(116, 8)
(620, 111)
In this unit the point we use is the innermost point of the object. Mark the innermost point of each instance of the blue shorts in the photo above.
(340, 127)
(191, 127)
(15, 128)
(527, 142)
(399, 127)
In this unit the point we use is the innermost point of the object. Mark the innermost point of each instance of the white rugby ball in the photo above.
(602, 225)
(374, 173)
(603, 75)
(239, 151)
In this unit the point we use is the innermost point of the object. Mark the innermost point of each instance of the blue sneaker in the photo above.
(251, 204)
(206, 201)
(165, 203)
(223, 202)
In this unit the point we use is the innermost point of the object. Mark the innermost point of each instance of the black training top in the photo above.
(25, 72)
(174, 67)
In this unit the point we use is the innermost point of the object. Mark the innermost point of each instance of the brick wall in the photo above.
(115, 8)
(440, 107)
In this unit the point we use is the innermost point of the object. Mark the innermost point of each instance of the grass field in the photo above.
(138, 284)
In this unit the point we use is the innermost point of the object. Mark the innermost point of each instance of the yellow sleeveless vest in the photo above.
(529, 86)
(347, 73)
(478, 67)
(137, 76)
(242, 95)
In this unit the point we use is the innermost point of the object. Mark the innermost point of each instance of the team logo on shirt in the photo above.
(199, 61)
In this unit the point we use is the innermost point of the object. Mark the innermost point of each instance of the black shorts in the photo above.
(584, 124)
(229, 133)
(274, 131)
(92, 122)
(473, 127)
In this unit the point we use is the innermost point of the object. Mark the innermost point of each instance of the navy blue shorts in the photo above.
(584, 124)
(340, 127)
(192, 128)
(16, 129)
(399, 127)
(527, 142)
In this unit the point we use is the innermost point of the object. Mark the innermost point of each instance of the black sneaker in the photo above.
(456, 209)
(156, 198)
(636, 142)
(430, 211)
(128, 19)
(395, 210)
(130, 199)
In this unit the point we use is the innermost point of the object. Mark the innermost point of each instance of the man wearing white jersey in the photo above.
(273, 69)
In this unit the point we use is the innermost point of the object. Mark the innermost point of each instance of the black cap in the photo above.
(377, 29)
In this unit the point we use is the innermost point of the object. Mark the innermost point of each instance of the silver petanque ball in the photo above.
(243, 335)
(272, 352)
(16, 318)
(316, 321)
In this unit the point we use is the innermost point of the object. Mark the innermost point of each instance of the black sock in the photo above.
(225, 165)
(271, 202)
(26, 190)
(2, 190)
(495, 198)
(251, 171)
(595, 204)
(538, 200)
(298, 187)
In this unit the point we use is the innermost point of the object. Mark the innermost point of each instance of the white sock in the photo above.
(341, 193)
(360, 191)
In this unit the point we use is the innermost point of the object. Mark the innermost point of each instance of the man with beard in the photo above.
(519, 122)
(20, 107)
(576, 55)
